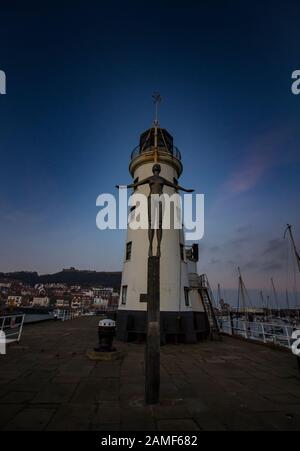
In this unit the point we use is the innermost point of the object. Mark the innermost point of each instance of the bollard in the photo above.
(106, 333)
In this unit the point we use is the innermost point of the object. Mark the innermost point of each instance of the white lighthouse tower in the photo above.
(183, 316)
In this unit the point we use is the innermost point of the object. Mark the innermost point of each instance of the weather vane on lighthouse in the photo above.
(156, 100)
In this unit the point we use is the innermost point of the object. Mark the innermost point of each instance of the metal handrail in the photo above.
(173, 150)
(12, 327)
(265, 332)
(66, 314)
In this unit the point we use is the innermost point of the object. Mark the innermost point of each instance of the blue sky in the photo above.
(79, 81)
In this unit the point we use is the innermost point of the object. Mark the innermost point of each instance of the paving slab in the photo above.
(54, 394)
(30, 419)
(8, 412)
(72, 417)
(178, 425)
(17, 397)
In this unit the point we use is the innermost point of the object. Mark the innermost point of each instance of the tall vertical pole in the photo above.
(152, 356)
(152, 351)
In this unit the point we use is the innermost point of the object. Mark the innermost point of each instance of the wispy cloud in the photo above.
(243, 229)
(251, 265)
(272, 266)
(242, 236)
(271, 258)
(266, 151)
(248, 175)
(275, 249)
(20, 217)
(214, 249)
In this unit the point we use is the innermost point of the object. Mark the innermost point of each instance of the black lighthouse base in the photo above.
(184, 327)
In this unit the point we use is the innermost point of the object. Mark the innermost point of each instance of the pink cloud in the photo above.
(248, 175)
(267, 151)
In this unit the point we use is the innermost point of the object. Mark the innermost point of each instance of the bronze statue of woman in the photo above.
(156, 184)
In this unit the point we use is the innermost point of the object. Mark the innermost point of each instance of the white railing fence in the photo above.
(277, 334)
(12, 326)
(65, 315)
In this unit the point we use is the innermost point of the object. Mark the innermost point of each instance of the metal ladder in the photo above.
(207, 296)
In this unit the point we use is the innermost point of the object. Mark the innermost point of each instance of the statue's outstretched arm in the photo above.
(135, 185)
(178, 187)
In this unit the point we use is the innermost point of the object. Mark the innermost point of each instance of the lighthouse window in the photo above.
(187, 296)
(124, 294)
(128, 250)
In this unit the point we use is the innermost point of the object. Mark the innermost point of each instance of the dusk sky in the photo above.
(80, 75)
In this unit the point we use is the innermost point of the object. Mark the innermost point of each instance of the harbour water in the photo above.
(35, 318)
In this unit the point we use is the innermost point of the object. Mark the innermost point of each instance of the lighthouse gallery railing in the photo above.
(173, 150)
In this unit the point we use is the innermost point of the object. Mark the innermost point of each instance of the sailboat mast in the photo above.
(242, 289)
(289, 229)
(269, 310)
(219, 294)
(287, 301)
(275, 295)
(263, 304)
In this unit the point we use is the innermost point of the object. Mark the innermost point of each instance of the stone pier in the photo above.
(48, 383)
